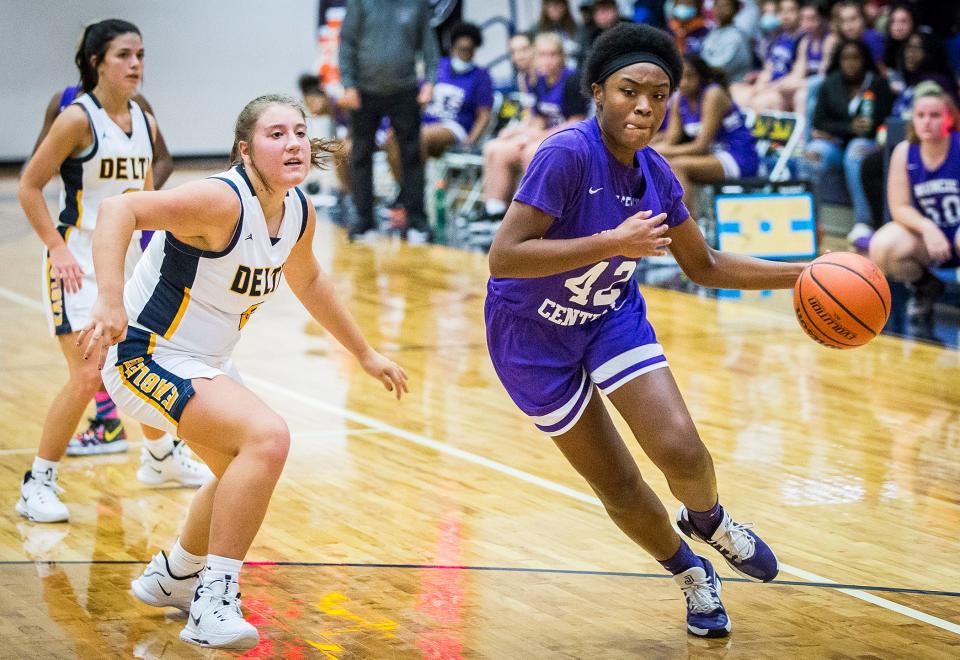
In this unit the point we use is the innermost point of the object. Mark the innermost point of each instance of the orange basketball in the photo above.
(842, 300)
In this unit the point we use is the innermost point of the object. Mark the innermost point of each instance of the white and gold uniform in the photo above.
(115, 163)
(186, 307)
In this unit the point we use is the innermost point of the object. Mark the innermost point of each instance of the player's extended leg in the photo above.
(39, 493)
(595, 449)
(669, 437)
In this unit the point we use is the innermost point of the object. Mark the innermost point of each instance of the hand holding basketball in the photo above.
(842, 300)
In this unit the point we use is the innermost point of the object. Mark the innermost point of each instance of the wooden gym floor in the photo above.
(445, 526)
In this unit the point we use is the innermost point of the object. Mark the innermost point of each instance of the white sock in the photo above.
(219, 567)
(495, 206)
(182, 563)
(41, 466)
(159, 447)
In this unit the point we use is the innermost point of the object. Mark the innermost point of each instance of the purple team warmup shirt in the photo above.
(456, 96)
(936, 193)
(549, 100)
(575, 179)
(782, 53)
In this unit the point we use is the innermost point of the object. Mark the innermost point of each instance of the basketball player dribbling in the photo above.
(102, 145)
(226, 242)
(564, 319)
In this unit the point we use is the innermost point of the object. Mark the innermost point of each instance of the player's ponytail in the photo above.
(93, 47)
(247, 121)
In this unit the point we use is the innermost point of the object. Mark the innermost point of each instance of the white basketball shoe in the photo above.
(159, 587)
(176, 465)
(215, 619)
(40, 498)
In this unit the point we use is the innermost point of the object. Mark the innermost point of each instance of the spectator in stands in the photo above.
(953, 41)
(922, 60)
(900, 25)
(688, 26)
(707, 140)
(764, 92)
(521, 56)
(379, 47)
(555, 107)
(725, 47)
(604, 14)
(459, 111)
(812, 55)
(747, 19)
(650, 12)
(320, 123)
(853, 102)
(555, 16)
(923, 57)
(852, 25)
(923, 192)
(768, 25)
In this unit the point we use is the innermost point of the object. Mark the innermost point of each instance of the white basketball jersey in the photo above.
(117, 163)
(197, 301)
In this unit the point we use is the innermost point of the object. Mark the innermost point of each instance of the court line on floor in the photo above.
(487, 569)
(476, 459)
(443, 448)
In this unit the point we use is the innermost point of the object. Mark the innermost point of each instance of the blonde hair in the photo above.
(247, 121)
(550, 38)
(930, 89)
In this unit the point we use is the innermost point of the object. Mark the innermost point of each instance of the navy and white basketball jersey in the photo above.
(575, 179)
(936, 193)
(197, 301)
(116, 163)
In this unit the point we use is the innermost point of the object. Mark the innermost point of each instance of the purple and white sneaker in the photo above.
(745, 552)
(706, 616)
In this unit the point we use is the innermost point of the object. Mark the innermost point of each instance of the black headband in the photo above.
(635, 57)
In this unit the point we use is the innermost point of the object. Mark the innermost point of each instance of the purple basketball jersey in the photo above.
(549, 99)
(575, 179)
(936, 193)
(457, 96)
(782, 52)
(732, 135)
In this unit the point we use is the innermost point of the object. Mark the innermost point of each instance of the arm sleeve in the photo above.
(552, 181)
(349, 35)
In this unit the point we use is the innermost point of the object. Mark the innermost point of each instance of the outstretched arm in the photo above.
(724, 270)
(315, 290)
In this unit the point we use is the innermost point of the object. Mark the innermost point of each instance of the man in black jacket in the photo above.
(379, 44)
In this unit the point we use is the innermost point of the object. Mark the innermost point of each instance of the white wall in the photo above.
(204, 60)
